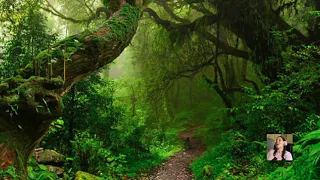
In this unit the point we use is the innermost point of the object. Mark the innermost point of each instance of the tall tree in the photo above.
(29, 103)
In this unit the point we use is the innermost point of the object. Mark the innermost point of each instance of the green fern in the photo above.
(311, 142)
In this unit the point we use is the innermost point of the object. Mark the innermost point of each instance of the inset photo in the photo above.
(279, 147)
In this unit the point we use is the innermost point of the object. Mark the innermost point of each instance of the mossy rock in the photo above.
(80, 175)
(57, 170)
(50, 157)
(14, 82)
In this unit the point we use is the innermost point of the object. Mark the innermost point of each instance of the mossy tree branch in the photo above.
(29, 103)
(192, 27)
(252, 26)
(88, 51)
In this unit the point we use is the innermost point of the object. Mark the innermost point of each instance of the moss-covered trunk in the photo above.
(27, 108)
(30, 101)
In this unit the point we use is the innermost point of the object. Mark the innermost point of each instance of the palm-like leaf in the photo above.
(310, 139)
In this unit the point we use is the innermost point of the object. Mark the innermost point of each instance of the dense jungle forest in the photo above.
(159, 89)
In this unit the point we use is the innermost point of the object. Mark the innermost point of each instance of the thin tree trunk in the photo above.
(71, 120)
(176, 101)
(133, 102)
(190, 93)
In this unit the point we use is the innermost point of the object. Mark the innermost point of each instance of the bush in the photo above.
(93, 156)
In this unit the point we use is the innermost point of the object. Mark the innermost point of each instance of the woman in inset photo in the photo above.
(279, 152)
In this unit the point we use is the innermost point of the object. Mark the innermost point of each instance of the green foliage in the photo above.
(94, 156)
(314, 13)
(235, 157)
(307, 153)
(215, 163)
(108, 141)
(35, 172)
(9, 173)
(119, 29)
(39, 171)
(105, 3)
(286, 103)
(29, 37)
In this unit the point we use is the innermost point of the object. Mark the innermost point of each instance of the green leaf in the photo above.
(32, 175)
(109, 159)
(30, 168)
(315, 149)
(47, 176)
(69, 159)
(43, 167)
(318, 123)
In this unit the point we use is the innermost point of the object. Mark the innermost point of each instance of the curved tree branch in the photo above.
(94, 15)
(166, 7)
(229, 50)
(60, 15)
(170, 26)
(87, 6)
(285, 6)
(29, 103)
(201, 9)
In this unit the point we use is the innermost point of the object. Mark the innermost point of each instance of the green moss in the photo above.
(100, 41)
(121, 26)
(14, 82)
(47, 156)
(80, 175)
(52, 84)
(84, 34)
(12, 99)
(71, 44)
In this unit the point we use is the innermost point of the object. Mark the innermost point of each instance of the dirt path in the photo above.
(177, 166)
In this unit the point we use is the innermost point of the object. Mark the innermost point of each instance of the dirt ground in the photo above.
(177, 166)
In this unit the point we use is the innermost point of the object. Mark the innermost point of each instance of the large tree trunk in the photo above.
(28, 103)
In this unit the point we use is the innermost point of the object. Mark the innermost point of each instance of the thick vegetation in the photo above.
(234, 70)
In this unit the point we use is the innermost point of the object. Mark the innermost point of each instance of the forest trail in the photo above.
(177, 166)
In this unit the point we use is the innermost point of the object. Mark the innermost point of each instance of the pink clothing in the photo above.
(287, 156)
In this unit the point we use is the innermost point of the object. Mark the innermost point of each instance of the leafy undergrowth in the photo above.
(142, 162)
(290, 104)
(234, 158)
(35, 172)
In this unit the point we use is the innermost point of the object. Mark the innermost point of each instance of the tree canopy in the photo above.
(257, 59)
